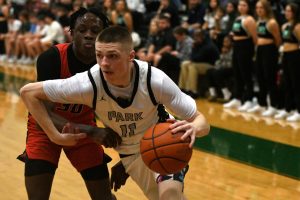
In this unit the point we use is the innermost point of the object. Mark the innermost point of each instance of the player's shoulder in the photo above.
(51, 53)
(95, 69)
(141, 64)
(155, 72)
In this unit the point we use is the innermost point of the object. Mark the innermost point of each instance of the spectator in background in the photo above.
(224, 21)
(61, 11)
(220, 25)
(219, 76)
(122, 16)
(195, 15)
(209, 18)
(278, 10)
(17, 6)
(164, 41)
(229, 18)
(170, 62)
(91, 3)
(54, 35)
(268, 41)
(30, 40)
(4, 13)
(244, 40)
(66, 4)
(203, 56)
(290, 64)
(136, 6)
(107, 8)
(22, 39)
(184, 43)
(77, 4)
(151, 37)
(167, 6)
(14, 26)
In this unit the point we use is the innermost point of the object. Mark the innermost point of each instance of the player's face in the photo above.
(84, 35)
(115, 61)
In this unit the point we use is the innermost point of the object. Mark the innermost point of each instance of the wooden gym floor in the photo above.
(244, 157)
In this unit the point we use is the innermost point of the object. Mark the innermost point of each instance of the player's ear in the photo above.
(131, 55)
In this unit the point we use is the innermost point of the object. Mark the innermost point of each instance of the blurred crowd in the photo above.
(242, 53)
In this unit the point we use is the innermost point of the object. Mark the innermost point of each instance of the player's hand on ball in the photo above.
(118, 176)
(106, 137)
(186, 127)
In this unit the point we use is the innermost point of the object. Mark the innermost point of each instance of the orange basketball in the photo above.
(164, 152)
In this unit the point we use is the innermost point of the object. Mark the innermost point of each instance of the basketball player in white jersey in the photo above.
(127, 96)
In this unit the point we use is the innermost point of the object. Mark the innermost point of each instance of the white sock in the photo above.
(212, 91)
(226, 93)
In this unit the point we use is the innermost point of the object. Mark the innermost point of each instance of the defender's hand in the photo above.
(118, 176)
(105, 136)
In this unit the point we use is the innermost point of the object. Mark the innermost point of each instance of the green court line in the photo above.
(272, 156)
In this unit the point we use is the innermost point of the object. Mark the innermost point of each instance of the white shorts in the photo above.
(146, 179)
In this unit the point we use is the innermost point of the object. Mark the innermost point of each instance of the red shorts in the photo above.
(84, 155)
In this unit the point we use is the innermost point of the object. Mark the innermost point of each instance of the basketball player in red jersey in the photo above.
(42, 154)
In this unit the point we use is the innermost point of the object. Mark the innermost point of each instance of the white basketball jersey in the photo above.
(130, 121)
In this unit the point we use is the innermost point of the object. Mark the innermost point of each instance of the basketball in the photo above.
(164, 152)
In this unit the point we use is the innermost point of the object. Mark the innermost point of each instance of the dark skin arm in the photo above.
(102, 136)
(118, 176)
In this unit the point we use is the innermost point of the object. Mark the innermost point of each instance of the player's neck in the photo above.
(128, 79)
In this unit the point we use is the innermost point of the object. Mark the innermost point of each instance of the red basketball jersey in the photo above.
(73, 112)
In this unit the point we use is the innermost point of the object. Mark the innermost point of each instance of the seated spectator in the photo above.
(4, 12)
(170, 62)
(203, 57)
(22, 39)
(164, 41)
(61, 11)
(167, 6)
(220, 74)
(54, 35)
(24, 29)
(14, 26)
(30, 40)
(195, 15)
(183, 45)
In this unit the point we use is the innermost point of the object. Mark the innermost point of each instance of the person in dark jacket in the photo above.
(204, 55)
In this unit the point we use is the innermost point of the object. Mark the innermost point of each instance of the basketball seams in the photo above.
(157, 147)
(154, 148)
(157, 135)
(164, 152)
